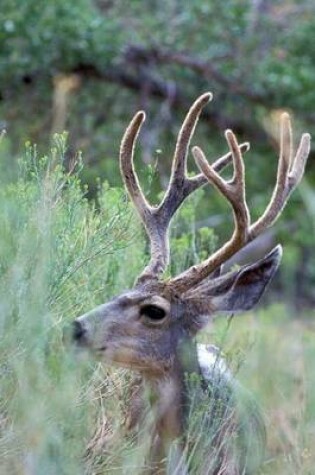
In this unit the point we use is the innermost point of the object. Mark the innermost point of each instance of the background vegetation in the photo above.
(86, 67)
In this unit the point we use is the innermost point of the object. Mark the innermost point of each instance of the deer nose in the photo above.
(78, 332)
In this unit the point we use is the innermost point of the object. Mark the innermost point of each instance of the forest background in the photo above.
(86, 67)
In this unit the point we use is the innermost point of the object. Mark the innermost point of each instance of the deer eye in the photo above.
(153, 312)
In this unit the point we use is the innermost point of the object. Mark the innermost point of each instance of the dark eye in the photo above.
(153, 312)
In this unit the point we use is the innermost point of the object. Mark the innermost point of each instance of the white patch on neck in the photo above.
(211, 363)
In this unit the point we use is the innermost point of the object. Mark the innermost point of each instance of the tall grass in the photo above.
(61, 255)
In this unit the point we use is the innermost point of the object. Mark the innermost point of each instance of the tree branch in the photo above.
(139, 54)
(163, 90)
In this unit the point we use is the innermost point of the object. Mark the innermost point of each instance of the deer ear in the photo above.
(244, 288)
(233, 292)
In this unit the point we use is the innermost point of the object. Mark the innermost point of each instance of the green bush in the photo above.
(59, 256)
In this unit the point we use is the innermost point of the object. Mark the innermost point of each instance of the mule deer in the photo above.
(151, 328)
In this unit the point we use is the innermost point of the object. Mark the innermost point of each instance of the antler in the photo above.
(157, 219)
(290, 172)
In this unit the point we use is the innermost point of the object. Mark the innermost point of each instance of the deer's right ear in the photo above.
(236, 291)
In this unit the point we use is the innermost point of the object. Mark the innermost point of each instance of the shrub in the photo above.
(59, 256)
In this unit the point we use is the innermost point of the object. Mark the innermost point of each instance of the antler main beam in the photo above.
(290, 171)
(157, 219)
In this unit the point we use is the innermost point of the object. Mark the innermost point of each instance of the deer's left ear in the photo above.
(236, 291)
(247, 284)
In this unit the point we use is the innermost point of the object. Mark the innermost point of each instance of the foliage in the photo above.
(47, 37)
(60, 255)
(50, 36)
(87, 66)
(255, 57)
(56, 260)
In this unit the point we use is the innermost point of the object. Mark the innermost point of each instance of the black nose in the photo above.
(78, 331)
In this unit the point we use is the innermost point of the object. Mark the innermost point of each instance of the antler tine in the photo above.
(179, 184)
(128, 173)
(200, 179)
(179, 167)
(233, 190)
(290, 172)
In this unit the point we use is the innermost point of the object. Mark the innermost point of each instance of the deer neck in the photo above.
(169, 393)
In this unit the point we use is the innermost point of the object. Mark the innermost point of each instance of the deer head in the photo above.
(143, 327)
